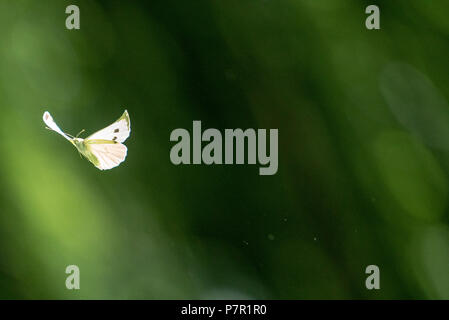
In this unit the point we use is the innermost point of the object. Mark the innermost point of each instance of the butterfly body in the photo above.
(104, 149)
(83, 150)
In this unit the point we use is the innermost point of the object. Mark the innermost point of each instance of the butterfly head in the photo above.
(77, 142)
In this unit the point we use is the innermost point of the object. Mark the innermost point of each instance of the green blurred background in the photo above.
(363, 175)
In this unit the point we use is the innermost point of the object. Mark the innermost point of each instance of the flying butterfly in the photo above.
(104, 148)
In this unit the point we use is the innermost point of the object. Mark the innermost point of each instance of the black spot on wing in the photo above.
(115, 138)
(116, 130)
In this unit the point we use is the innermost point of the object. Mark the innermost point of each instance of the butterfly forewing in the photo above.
(118, 131)
(48, 119)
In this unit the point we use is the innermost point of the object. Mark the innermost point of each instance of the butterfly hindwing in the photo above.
(106, 155)
(118, 131)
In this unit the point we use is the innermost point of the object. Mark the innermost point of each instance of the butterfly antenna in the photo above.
(80, 133)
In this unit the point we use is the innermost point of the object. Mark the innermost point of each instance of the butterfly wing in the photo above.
(118, 131)
(105, 154)
(48, 119)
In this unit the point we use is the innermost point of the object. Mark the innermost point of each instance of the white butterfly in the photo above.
(104, 148)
